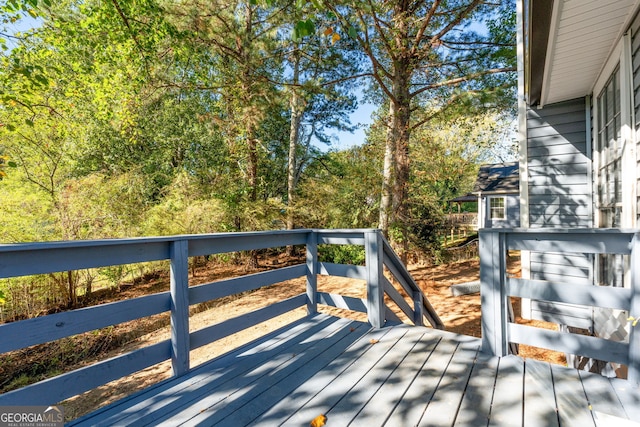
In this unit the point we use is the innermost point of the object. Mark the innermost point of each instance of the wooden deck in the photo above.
(399, 375)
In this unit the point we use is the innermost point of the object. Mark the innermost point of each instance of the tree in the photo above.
(424, 59)
(238, 36)
(321, 85)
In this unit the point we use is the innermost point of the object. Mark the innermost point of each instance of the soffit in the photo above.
(582, 35)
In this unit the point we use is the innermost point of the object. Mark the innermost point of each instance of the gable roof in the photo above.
(498, 178)
(466, 198)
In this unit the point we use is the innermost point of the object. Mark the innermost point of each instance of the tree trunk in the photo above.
(297, 109)
(400, 132)
(71, 283)
(387, 173)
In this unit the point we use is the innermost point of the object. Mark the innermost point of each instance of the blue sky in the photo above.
(361, 117)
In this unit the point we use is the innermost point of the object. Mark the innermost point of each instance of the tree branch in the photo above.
(133, 35)
(425, 24)
(458, 80)
(456, 21)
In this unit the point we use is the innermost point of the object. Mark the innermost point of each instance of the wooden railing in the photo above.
(40, 258)
(497, 287)
(458, 219)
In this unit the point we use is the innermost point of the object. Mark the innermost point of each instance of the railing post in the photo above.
(312, 272)
(418, 308)
(493, 299)
(179, 288)
(375, 290)
(634, 334)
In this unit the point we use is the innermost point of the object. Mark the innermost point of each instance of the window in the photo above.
(497, 208)
(609, 174)
(609, 146)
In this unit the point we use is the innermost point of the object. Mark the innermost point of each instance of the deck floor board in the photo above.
(356, 375)
(391, 393)
(443, 406)
(539, 396)
(507, 406)
(298, 400)
(341, 388)
(573, 407)
(475, 407)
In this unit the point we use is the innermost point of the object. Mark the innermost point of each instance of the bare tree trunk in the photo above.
(400, 131)
(297, 109)
(387, 174)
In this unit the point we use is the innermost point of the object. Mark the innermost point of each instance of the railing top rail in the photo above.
(579, 240)
(18, 259)
(548, 230)
(392, 258)
(61, 244)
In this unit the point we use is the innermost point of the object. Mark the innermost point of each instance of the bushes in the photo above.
(342, 254)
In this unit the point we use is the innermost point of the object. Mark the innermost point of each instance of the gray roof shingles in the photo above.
(498, 178)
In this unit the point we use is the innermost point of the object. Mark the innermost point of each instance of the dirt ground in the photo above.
(460, 314)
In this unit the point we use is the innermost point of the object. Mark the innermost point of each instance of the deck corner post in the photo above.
(312, 272)
(493, 298)
(375, 286)
(179, 289)
(634, 334)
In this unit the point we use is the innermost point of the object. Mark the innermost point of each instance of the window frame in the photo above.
(502, 209)
(620, 62)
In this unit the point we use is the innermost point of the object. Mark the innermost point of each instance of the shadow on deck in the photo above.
(383, 372)
(355, 375)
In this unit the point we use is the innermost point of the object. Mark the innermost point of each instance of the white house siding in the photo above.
(560, 196)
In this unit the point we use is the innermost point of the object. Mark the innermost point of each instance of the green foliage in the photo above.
(156, 117)
(303, 29)
(114, 275)
(102, 206)
(4, 163)
(183, 210)
(426, 226)
(27, 212)
(342, 254)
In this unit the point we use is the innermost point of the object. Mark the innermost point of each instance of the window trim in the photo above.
(502, 208)
(620, 59)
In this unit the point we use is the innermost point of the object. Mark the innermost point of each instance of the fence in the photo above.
(497, 287)
(40, 258)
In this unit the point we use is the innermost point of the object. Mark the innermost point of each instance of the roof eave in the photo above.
(537, 22)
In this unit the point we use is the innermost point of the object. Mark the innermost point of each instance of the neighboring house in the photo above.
(579, 130)
(498, 191)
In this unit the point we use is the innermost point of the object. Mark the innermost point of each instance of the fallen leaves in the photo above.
(319, 421)
(373, 341)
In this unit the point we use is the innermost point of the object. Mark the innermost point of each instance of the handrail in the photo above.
(402, 275)
(497, 288)
(18, 260)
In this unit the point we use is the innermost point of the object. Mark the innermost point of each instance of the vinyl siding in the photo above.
(558, 164)
(635, 60)
(560, 196)
(512, 213)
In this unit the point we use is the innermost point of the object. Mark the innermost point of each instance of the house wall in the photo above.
(635, 61)
(560, 196)
(560, 191)
(512, 220)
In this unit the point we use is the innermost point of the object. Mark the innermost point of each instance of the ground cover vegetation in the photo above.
(157, 117)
